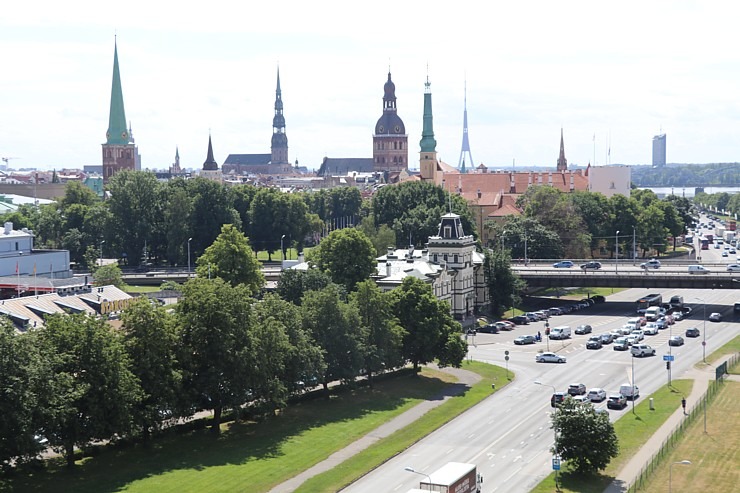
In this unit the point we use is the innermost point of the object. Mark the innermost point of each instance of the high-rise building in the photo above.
(659, 150)
(390, 141)
(119, 150)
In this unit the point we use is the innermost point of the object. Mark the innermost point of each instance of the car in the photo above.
(606, 338)
(557, 398)
(675, 341)
(563, 264)
(715, 317)
(724, 253)
(661, 323)
(692, 332)
(534, 316)
(638, 334)
(651, 264)
(519, 320)
(596, 395)
(651, 329)
(736, 308)
(616, 401)
(626, 329)
(594, 342)
(549, 358)
(524, 340)
(642, 350)
(583, 329)
(621, 344)
(555, 310)
(632, 339)
(629, 391)
(576, 389)
(490, 329)
(505, 325)
(733, 251)
(598, 298)
(591, 266)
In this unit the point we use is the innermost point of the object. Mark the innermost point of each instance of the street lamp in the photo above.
(411, 469)
(634, 247)
(503, 235)
(189, 240)
(616, 252)
(282, 251)
(525, 248)
(670, 472)
(704, 331)
(555, 435)
(101, 252)
(633, 382)
(537, 382)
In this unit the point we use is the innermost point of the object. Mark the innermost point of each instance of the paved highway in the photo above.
(508, 434)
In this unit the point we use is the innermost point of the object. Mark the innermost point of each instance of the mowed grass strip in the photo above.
(714, 455)
(250, 457)
(375, 455)
(732, 347)
(633, 431)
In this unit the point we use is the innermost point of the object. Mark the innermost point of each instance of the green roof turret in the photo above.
(117, 132)
(427, 143)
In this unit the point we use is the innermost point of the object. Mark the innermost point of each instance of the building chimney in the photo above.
(8, 228)
(388, 270)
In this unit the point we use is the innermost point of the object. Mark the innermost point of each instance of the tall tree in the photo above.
(293, 283)
(583, 436)
(217, 357)
(108, 275)
(150, 338)
(335, 327)
(178, 210)
(212, 208)
(94, 388)
(347, 255)
(231, 259)
(504, 286)
(428, 324)
(384, 335)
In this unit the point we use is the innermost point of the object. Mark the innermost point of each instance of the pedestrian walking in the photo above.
(683, 405)
(539, 336)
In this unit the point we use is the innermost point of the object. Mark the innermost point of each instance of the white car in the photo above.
(651, 264)
(549, 358)
(651, 329)
(639, 334)
(596, 395)
(733, 268)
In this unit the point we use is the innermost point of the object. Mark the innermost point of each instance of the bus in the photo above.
(704, 243)
(647, 301)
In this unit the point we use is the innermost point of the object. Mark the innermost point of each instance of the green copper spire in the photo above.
(427, 143)
(117, 132)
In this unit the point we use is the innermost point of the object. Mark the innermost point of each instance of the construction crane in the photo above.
(6, 159)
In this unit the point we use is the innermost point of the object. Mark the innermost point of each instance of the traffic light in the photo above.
(667, 365)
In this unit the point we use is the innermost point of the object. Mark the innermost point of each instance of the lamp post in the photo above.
(503, 235)
(411, 469)
(616, 252)
(282, 251)
(704, 330)
(189, 240)
(555, 436)
(101, 252)
(634, 247)
(525, 248)
(670, 472)
(633, 382)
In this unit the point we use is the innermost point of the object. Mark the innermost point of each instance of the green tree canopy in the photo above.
(231, 259)
(108, 275)
(347, 255)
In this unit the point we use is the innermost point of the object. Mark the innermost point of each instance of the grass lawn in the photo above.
(715, 461)
(246, 456)
(136, 290)
(365, 461)
(633, 430)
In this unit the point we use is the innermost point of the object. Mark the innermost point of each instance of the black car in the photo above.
(594, 343)
(591, 266)
(557, 398)
(583, 329)
(489, 328)
(692, 332)
(616, 401)
(598, 298)
(520, 320)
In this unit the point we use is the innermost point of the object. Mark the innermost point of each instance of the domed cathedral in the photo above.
(390, 142)
(119, 150)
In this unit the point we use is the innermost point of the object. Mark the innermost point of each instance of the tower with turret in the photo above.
(428, 152)
(562, 162)
(390, 141)
(279, 145)
(210, 169)
(119, 151)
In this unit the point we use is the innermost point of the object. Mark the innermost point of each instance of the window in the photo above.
(447, 234)
(436, 258)
(456, 258)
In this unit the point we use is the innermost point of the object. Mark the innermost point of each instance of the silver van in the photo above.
(698, 269)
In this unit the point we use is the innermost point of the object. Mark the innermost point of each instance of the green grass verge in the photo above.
(367, 460)
(260, 455)
(715, 462)
(731, 347)
(633, 430)
(136, 290)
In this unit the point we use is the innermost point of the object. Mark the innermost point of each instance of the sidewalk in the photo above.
(631, 471)
(465, 380)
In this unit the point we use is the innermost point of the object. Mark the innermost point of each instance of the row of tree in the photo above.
(582, 224)
(721, 201)
(77, 379)
(687, 175)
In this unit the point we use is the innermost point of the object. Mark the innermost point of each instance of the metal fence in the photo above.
(677, 434)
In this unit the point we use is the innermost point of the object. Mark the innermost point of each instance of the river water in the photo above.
(689, 191)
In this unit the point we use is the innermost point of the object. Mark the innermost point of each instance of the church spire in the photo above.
(210, 164)
(465, 142)
(427, 143)
(117, 132)
(279, 145)
(562, 162)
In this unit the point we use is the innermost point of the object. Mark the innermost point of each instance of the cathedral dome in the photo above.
(390, 124)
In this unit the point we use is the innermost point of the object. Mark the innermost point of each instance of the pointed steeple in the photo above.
(117, 132)
(465, 142)
(210, 164)
(279, 143)
(427, 143)
(562, 163)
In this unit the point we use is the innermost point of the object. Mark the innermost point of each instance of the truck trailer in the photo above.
(729, 236)
(453, 477)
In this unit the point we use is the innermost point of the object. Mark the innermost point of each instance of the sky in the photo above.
(610, 74)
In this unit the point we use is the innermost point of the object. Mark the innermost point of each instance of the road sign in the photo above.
(668, 357)
(506, 352)
(506, 358)
(556, 463)
(703, 343)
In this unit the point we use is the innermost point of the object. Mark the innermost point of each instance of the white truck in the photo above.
(453, 477)
(719, 232)
(561, 332)
(729, 236)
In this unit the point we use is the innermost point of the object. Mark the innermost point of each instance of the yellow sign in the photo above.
(114, 306)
